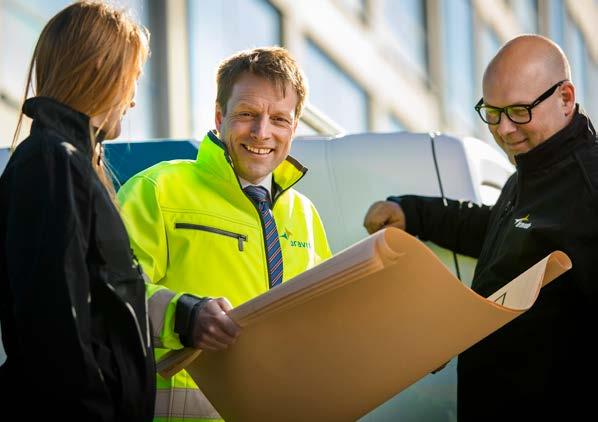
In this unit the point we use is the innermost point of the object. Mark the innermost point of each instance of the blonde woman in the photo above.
(72, 301)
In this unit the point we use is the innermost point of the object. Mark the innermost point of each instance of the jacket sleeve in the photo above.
(456, 225)
(141, 212)
(47, 237)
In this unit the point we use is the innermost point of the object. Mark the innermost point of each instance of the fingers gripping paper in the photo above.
(342, 338)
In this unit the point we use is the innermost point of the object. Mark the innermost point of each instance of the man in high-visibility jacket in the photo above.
(200, 232)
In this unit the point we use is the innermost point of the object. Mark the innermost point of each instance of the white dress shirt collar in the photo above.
(266, 182)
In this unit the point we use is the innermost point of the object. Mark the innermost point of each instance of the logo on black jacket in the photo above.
(523, 222)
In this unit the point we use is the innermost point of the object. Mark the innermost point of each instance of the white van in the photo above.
(346, 175)
(349, 173)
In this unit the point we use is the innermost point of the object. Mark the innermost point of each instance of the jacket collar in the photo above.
(578, 132)
(69, 123)
(213, 156)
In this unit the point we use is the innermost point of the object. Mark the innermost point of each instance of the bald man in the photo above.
(540, 364)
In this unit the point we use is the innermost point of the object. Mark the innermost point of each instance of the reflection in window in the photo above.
(526, 12)
(459, 78)
(334, 92)
(407, 20)
(218, 29)
(20, 25)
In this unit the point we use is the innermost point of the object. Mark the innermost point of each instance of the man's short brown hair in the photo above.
(274, 64)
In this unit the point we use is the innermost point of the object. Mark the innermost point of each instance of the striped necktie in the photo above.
(261, 197)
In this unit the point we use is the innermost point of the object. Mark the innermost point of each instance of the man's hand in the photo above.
(384, 214)
(213, 328)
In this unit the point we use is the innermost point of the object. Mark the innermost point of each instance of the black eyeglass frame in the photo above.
(480, 105)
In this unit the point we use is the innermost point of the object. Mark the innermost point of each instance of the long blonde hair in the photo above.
(87, 57)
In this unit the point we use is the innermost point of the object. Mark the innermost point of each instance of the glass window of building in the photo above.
(526, 12)
(43, 9)
(459, 78)
(20, 25)
(591, 103)
(392, 123)
(407, 21)
(576, 51)
(356, 7)
(334, 93)
(218, 29)
(490, 44)
(305, 130)
(556, 14)
(139, 122)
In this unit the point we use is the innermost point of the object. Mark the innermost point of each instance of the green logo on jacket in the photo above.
(294, 243)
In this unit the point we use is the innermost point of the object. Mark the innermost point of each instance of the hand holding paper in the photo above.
(213, 329)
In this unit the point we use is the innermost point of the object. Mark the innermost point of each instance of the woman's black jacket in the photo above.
(72, 300)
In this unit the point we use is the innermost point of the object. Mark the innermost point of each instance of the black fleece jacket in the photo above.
(539, 361)
(72, 298)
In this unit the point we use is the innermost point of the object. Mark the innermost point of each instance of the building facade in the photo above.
(372, 65)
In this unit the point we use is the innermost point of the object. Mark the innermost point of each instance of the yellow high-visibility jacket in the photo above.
(195, 231)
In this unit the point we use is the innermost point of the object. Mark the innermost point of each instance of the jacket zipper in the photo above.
(507, 209)
(240, 237)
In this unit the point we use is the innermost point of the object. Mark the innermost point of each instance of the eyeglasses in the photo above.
(517, 113)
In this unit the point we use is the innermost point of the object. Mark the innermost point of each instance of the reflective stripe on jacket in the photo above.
(195, 231)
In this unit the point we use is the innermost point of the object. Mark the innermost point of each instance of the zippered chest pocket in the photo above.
(241, 238)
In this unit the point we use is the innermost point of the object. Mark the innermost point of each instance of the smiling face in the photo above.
(258, 126)
(524, 69)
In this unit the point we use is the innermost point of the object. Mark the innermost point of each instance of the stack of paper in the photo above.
(344, 337)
